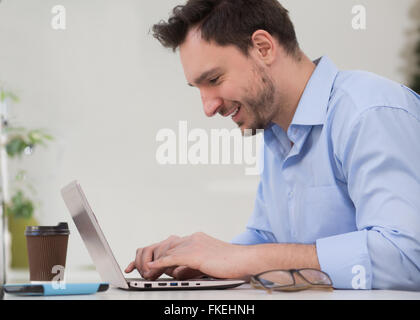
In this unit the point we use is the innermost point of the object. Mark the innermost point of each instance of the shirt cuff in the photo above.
(346, 260)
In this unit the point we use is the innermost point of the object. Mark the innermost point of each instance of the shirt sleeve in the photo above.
(258, 229)
(381, 161)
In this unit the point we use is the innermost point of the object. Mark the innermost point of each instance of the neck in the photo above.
(292, 76)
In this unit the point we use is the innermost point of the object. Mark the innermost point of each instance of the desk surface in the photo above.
(244, 292)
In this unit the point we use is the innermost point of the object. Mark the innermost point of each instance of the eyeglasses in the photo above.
(292, 280)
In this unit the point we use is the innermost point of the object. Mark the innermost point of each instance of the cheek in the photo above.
(230, 93)
(236, 91)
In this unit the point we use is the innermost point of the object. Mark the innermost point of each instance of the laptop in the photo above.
(104, 260)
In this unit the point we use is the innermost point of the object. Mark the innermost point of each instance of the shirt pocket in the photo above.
(322, 212)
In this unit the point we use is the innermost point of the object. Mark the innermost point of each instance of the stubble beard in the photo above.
(261, 106)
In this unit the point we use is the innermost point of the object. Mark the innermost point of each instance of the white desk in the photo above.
(244, 292)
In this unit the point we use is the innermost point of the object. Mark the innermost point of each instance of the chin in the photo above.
(252, 128)
(247, 131)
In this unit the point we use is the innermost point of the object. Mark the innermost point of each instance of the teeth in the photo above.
(236, 111)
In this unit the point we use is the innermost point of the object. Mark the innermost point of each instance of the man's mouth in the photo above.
(234, 112)
(231, 111)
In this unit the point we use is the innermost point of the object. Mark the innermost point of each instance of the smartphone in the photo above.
(55, 289)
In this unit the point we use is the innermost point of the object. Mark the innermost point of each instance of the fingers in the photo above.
(149, 254)
(130, 267)
(144, 256)
(164, 262)
(158, 251)
(184, 273)
(150, 275)
(177, 272)
(170, 271)
(176, 254)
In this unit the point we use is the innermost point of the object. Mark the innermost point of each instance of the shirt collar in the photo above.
(313, 104)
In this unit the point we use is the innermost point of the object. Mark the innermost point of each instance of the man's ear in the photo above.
(264, 46)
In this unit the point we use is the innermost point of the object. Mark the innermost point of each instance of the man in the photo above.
(340, 189)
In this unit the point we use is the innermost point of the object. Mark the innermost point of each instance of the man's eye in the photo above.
(214, 80)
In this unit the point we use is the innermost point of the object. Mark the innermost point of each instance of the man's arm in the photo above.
(224, 260)
(379, 153)
(285, 256)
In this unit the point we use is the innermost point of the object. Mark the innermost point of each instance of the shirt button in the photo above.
(290, 194)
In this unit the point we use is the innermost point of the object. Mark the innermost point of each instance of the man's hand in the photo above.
(190, 257)
(155, 251)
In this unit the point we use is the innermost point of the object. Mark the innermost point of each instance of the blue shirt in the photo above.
(351, 182)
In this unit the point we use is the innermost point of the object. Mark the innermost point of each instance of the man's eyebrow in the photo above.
(205, 75)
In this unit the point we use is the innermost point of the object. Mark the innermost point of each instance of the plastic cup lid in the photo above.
(61, 229)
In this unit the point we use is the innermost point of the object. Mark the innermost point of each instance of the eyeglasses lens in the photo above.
(315, 277)
(276, 278)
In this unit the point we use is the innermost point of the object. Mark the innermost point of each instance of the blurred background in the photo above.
(103, 87)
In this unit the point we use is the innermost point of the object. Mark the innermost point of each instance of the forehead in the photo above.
(198, 56)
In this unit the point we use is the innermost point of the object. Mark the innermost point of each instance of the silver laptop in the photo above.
(104, 260)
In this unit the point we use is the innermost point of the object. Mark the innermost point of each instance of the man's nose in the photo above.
(211, 104)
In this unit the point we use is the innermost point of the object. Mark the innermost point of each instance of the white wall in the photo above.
(104, 87)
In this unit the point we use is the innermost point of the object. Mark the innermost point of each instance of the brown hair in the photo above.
(228, 22)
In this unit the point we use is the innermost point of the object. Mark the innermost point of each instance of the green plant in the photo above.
(4, 95)
(21, 141)
(20, 206)
(24, 141)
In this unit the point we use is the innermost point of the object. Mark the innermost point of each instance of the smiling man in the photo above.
(341, 181)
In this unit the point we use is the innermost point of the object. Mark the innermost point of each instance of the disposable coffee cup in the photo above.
(47, 250)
